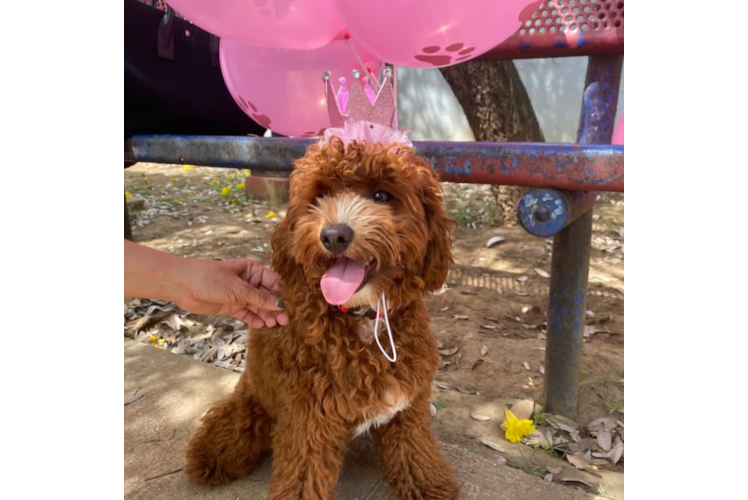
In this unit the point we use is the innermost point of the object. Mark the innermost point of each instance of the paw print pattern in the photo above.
(281, 8)
(251, 110)
(435, 55)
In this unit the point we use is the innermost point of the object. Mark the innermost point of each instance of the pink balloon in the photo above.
(618, 132)
(282, 89)
(282, 24)
(432, 33)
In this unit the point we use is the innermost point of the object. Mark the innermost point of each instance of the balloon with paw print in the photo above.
(432, 33)
(282, 24)
(282, 90)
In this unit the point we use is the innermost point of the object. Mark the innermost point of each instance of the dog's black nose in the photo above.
(336, 237)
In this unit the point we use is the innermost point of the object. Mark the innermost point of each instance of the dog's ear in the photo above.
(438, 252)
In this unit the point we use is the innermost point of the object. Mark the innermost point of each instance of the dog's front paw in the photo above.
(448, 490)
(431, 487)
(203, 469)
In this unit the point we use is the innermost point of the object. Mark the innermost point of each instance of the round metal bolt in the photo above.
(542, 214)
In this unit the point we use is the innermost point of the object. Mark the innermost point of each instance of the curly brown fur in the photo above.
(311, 386)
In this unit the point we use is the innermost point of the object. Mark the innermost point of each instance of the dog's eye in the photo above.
(381, 197)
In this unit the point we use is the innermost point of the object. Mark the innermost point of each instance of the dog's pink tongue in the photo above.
(342, 280)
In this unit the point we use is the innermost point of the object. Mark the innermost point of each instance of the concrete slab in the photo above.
(176, 391)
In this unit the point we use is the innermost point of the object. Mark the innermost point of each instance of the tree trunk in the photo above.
(498, 109)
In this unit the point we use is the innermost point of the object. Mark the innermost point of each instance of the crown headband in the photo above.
(358, 113)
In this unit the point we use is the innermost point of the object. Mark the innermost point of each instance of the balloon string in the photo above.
(373, 81)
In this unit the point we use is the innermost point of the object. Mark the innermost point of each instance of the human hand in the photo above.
(240, 288)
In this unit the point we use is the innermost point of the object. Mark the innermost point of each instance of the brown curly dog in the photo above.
(363, 220)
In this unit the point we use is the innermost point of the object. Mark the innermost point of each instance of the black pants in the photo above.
(185, 95)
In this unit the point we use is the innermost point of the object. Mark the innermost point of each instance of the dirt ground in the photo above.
(495, 301)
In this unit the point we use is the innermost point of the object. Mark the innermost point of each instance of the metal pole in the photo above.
(571, 250)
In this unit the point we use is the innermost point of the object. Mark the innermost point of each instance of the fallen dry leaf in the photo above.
(490, 327)
(617, 451)
(499, 290)
(542, 273)
(495, 241)
(542, 368)
(442, 385)
(468, 389)
(540, 438)
(523, 278)
(583, 445)
(525, 309)
(477, 363)
(581, 463)
(432, 409)
(526, 365)
(483, 350)
(603, 423)
(576, 480)
(563, 423)
(460, 317)
(492, 445)
(604, 439)
(522, 294)
(523, 409)
(449, 352)
(479, 417)
(548, 477)
(131, 400)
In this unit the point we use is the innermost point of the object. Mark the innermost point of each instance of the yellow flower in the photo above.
(230, 176)
(191, 191)
(128, 195)
(214, 182)
(187, 168)
(226, 190)
(234, 201)
(517, 429)
(270, 214)
(240, 186)
(152, 338)
(247, 173)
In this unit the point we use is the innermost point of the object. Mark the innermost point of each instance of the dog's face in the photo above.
(362, 221)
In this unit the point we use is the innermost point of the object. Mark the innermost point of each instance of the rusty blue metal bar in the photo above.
(571, 251)
(563, 166)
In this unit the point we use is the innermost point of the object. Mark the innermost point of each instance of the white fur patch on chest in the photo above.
(400, 403)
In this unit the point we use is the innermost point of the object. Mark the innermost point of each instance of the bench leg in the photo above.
(571, 250)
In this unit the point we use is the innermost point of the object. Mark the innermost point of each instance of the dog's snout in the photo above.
(336, 237)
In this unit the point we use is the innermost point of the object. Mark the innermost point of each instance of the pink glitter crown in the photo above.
(360, 102)
(358, 113)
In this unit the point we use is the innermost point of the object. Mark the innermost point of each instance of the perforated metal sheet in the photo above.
(555, 28)
(558, 28)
